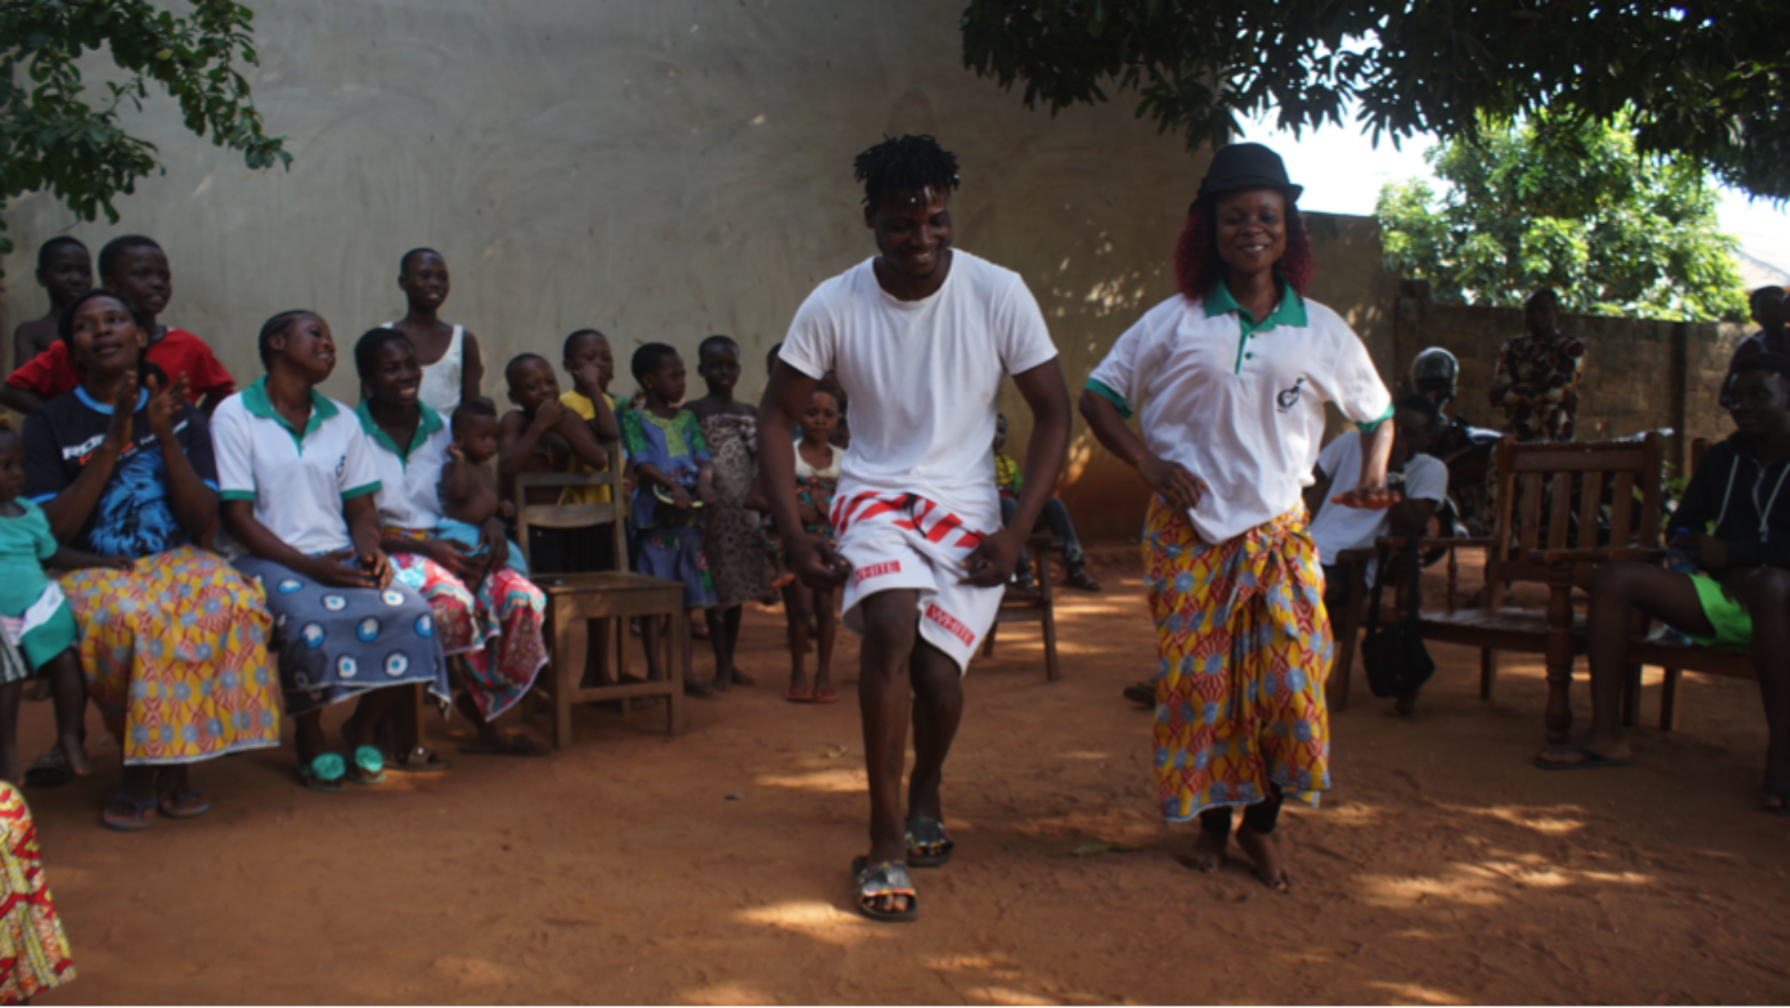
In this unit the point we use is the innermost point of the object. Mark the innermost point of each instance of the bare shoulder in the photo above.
(512, 423)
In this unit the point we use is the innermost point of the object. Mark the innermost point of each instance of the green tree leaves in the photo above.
(1702, 81)
(52, 138)
(1564, 202)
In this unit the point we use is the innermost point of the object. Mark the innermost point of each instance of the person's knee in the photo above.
(1617, 579)
(935, 674)
(1766, 593)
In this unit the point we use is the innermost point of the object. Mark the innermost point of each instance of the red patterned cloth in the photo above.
(495, 631)
(34, 954)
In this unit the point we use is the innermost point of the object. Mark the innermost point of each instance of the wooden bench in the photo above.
(1567, 567)
(1539, 537)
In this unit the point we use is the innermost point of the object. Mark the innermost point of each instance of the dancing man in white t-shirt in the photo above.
(921, 337)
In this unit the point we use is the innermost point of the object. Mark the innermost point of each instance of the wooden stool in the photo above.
(575, 599)
(1026, 607)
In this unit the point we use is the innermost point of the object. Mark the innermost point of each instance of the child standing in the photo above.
(590, 362)
(541, 435)
(35, 618)
(730, 537)
(672, 462)
(65, 272)
(468, 488)
(817, 474)
(449, 354)
(137, 268)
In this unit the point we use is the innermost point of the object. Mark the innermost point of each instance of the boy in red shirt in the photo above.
(136, 267)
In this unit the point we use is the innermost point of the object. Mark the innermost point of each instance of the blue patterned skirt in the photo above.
(334, 644)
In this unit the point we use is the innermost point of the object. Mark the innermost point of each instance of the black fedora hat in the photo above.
(1247, 166)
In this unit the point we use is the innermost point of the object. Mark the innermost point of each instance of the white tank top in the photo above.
(441, 386)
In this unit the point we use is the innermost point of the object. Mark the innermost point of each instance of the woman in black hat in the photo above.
(1232, 375)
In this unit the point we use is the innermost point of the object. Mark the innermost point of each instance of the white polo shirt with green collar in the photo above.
(409, 479)
(298, 480)
(1240, 403)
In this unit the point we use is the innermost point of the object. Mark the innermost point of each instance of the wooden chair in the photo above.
(574, 600)
(1674, 657)
(1529, 545)
(1346, 625)
(1030, 607)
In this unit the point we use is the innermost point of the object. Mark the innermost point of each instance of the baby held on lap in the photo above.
(468, 487)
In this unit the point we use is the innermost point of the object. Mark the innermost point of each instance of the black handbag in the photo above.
(1394, 655)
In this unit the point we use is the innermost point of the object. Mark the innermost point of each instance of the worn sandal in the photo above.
(187, 804)
(49, 770)
(928, 845)
(324, 773)
(136, 815)
(367, 767)
(885, 878)
(419, 760)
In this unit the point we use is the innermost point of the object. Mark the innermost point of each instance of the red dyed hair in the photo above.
(1198, 267)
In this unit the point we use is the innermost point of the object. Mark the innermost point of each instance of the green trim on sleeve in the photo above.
(361, 491)
(1368, 428)
(231, 495)
(1100, 389)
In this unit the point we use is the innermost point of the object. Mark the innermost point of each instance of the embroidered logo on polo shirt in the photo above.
(1288, 398)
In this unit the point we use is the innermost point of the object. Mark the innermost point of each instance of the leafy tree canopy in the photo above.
(1560, 202)
(51, 138)
(1706, 80)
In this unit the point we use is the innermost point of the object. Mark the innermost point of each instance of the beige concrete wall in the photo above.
(659, 171)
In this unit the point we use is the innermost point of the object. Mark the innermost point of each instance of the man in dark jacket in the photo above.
(1734, 523)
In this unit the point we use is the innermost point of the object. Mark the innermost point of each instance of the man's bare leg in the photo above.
(938, 709)
(1618, 589)
(1766, 594)
(884, 681)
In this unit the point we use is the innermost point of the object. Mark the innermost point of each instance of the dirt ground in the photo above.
(712, 868)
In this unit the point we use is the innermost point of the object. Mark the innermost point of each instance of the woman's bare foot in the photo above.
(1207, 852)
(1269, 867)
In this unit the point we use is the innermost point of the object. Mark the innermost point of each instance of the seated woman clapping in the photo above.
(298, 486)
(174, 647)
(486, 612)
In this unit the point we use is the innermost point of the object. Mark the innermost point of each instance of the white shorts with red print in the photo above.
(904, 541)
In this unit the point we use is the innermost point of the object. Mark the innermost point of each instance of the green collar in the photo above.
(431, 423)
(254, 399)
(1290, 311)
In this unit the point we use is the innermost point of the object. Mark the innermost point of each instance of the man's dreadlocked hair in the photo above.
(909, 164)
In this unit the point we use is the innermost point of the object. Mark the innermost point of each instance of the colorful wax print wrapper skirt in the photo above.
(495, 631)
(176, 658)
(1245, 647)
(34, 953)
(337, 643)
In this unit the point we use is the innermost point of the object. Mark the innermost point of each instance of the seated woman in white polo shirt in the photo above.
(1232, 374)
(485, 612)
(298, 487)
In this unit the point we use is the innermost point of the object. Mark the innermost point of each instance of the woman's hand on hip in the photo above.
(1172, 482)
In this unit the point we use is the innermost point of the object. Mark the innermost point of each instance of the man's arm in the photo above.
(991, 563)
(785, 399)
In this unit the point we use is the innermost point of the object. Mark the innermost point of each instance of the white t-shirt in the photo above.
(1243, 411)
(1337, 528)
(298, 481)
(409, 484)
(923, 377)
(806, 471)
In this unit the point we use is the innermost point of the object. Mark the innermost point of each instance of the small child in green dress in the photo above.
(35, 619)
